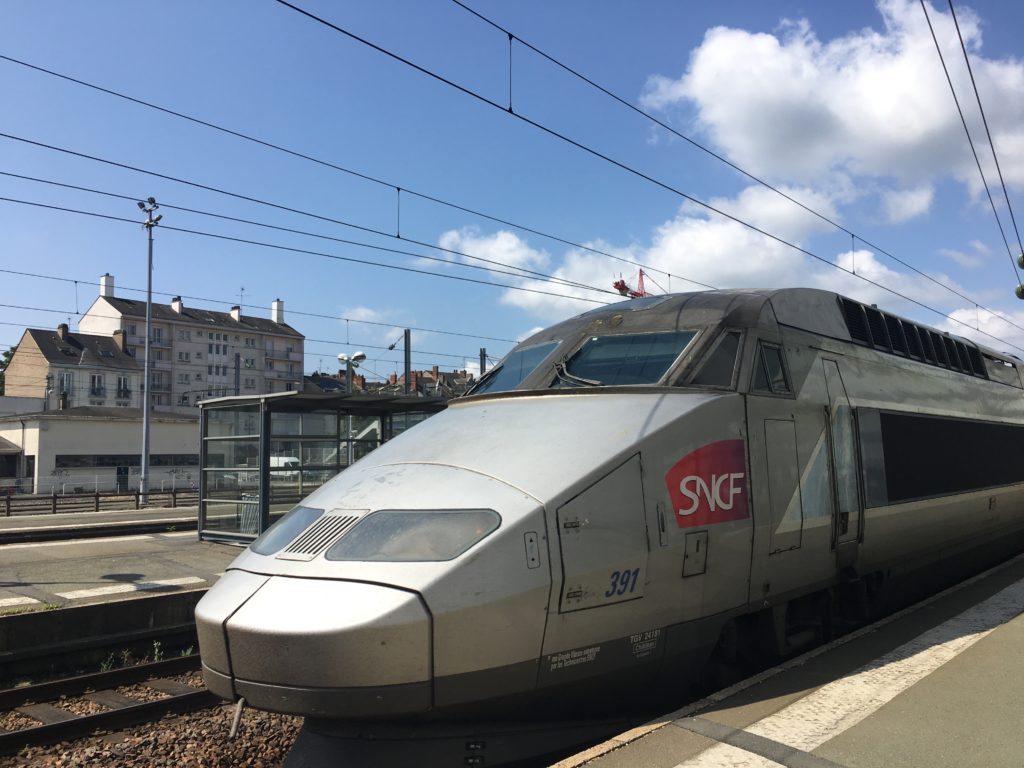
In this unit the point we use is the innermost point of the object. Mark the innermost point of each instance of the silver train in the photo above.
(647, 491)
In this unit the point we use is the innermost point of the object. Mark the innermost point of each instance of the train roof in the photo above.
(817, 311)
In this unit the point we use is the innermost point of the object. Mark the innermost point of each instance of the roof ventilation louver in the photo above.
(855, 322)
(899, 344)
(318, 537)
(976, 362)
(951, 353)
(876, 324)
(913, 341)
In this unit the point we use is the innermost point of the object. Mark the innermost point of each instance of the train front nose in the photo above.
(318, 647)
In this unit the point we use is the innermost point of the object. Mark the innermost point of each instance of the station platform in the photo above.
(79, 571)
(940, 684)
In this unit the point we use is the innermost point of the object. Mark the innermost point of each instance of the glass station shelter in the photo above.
(261, 454)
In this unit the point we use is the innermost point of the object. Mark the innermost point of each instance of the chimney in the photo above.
(107, 285)
(176, 304)
(435, 373)
(62, 331)
(277, 311)
(393, 378)
(236, 313)
(121, 339)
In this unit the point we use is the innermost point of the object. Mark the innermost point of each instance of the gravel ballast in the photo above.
(197, 740)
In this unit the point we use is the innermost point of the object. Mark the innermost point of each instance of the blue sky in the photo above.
(842, 105)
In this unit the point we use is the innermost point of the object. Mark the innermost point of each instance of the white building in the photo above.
(65, 370)
(96, 448)
(199, 353)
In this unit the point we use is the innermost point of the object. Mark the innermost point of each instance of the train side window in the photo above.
(770, 371)
(719, 365)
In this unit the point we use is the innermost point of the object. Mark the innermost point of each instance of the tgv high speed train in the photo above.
(629, 496)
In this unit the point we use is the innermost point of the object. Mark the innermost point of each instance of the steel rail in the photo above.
(76, 726)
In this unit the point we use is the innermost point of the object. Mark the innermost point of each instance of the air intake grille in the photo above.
(320, 535)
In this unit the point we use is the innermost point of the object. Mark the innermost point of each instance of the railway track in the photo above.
(99, 692)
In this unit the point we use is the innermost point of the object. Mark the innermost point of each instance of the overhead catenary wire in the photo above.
(290, 310)
(526, 273)
(357, 174)
(984, 120)
(629, 169)
(292, 249)
(693, 142)
(291, 230)
(970, 141)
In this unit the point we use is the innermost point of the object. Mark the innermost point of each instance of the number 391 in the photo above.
(623, 582)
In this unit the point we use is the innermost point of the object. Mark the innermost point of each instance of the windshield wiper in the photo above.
(562, 372)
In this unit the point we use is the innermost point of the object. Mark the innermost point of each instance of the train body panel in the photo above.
(631, 492)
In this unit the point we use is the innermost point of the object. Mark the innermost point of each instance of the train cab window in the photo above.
(720, 363)
(511, 371)
(770, 371)
(623, 359)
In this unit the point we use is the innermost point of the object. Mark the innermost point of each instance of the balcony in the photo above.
(124, 394)
(280, 354)
(97, 391)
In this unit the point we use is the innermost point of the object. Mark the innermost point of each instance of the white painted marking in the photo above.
(827, 712)
(8, 602)
(168, 520)
(135, 586)
(193, 534)
(104, 540)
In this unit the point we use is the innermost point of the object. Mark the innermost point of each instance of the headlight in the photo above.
(285, 529)
(403, 536)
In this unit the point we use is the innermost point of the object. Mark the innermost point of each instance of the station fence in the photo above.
(24, 504)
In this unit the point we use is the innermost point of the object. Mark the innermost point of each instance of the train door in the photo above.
(603, 539)
(846, 525)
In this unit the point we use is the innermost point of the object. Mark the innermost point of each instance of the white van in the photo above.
(289, 464)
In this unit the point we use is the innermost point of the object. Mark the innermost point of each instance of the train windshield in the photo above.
(513, 369)
(640, 358)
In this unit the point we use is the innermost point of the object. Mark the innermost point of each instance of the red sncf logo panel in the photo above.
(709, 485)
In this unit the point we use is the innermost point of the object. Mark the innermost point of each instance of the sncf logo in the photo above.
(709, 485)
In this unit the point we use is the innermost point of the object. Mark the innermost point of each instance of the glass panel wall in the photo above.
(261, 456)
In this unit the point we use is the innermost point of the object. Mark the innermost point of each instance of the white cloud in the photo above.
(965, 260)
(905, 204)
(871, 103)
(502, 246)
(981, 325)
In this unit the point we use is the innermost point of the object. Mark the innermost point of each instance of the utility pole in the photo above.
(148, 208)
(408, 358)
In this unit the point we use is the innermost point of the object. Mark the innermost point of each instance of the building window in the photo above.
(183, 378)
(65, 382)
(270, 365)
(210, 346)
(130, 328)
(158, 335)
(209, 370)
(184, 357)
(96, 385)
(158, 354)
(122, 387)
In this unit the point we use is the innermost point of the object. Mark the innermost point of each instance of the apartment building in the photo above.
(67, 370)
(198, 353)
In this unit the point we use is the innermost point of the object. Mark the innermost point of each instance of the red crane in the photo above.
(622, 287)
